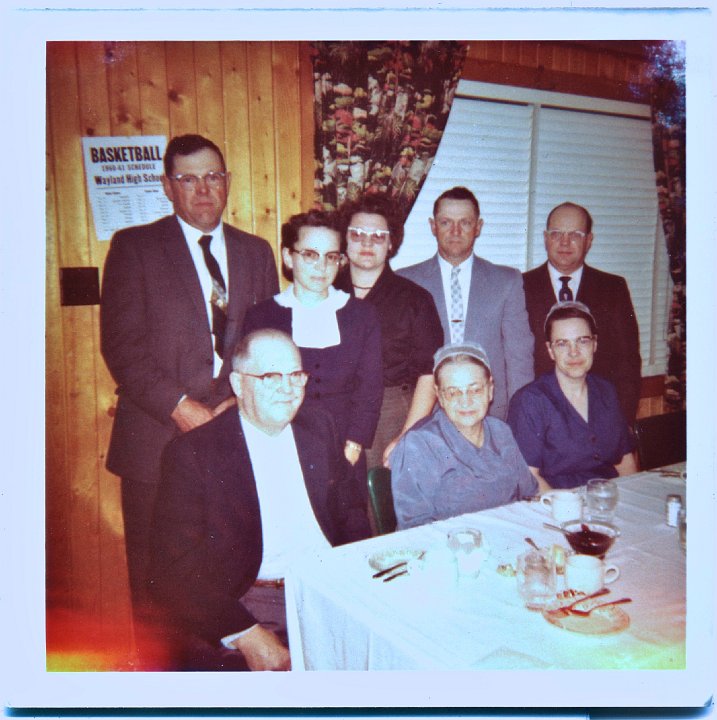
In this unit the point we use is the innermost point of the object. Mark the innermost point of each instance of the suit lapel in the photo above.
(315, 471)
(179, 257)
(585, 291)
(434, 284)
(475, 298)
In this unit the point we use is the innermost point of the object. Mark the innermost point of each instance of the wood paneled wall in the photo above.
(255, 101)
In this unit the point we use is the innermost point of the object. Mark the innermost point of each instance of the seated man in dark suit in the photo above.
(565, 276)
(240, 498)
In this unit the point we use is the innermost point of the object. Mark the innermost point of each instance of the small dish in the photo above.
(388, 558)
(601, 621)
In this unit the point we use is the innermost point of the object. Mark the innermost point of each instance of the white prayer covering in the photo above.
(289, 527)
(314, 326)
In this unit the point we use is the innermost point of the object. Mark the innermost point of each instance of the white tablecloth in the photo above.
(340, 618)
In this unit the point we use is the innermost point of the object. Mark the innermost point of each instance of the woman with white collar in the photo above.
(339, 336)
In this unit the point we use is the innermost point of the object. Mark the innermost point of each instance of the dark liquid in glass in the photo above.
(590, 542)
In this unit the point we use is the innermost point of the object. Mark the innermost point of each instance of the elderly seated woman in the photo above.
(458, 460)
(568, 422)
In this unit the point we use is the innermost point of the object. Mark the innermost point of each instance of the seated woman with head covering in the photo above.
(568, 422)
(458, 460)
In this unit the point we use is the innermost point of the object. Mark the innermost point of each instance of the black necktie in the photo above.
(565, 294)
(219, 295)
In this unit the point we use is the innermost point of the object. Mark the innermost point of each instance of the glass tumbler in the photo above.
(535, 575)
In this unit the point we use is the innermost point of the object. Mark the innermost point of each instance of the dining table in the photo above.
(341, 617)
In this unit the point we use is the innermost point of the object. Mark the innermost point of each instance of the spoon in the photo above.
(565, 609)
(532, 544)
(555, 527)
(585, 613)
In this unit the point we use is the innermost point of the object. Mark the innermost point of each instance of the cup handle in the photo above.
(611, 569)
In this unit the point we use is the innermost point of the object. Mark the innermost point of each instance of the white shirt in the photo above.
(464, 280)
(219, 250)
(573, 284)
(289, 527)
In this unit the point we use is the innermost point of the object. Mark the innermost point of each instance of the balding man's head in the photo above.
(268, 379)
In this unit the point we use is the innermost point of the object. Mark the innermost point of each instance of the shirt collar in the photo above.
(555, 275)
(466, 266)
(193, 234)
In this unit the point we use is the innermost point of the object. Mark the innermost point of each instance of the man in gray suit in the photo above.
(477, 300)
(174, 294)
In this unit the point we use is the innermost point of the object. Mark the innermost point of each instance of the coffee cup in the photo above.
(588, 574)
(564, 505)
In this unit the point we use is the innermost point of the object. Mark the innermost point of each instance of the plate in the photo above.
(389, 558)
(601, 621)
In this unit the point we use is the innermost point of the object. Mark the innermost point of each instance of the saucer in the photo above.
(601, 621)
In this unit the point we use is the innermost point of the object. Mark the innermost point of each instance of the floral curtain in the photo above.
(668, 135)
(380, 109)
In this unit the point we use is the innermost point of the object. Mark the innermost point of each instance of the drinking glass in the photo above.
(601, 499)
(535, 575)
(466, 546)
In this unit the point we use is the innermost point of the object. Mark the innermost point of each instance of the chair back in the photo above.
(381, 497)
(661, 439)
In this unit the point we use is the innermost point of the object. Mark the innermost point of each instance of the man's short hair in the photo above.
(457, 193)
(242, 352)
(187, 145)
(574, 206)
(373, 204)
(313, 218)
(565, 311)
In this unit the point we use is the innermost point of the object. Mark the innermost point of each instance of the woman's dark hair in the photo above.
(313, 218)
(374, 205)
(565, 313)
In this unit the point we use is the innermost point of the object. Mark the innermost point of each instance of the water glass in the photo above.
(601, 497)
(467, 548)
(535, 575)
(682, 528)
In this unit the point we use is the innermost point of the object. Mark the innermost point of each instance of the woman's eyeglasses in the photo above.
(582, 343)
(374, 237)
(311, 257)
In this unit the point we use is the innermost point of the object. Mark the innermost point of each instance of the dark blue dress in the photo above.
(346, 379)
(554, 438)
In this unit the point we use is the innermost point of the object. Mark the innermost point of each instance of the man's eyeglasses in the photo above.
(272, 380)
(374, 237)
(311, 257)
(582, 343)
(189, 182)
(574, 236)
(454, 393)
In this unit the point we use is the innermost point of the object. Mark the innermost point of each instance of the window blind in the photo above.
(523, 158)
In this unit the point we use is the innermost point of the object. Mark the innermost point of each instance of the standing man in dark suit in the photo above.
(565, 276)
(174, 294)
(240, 499)
(477, 300)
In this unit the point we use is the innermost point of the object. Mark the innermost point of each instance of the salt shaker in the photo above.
(673, 505)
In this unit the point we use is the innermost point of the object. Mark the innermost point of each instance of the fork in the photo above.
(585, 613)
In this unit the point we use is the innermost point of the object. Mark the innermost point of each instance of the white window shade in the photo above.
(486, 147)
(522, 158)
